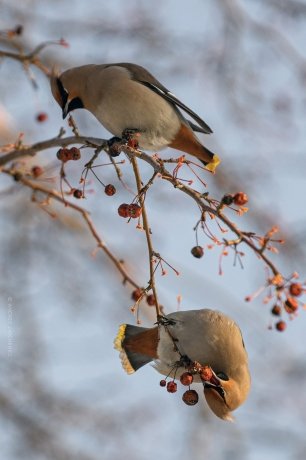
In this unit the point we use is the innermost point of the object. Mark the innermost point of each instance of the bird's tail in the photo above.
(137, 346)
(209, 159)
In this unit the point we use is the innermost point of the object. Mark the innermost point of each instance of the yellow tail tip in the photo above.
(119, 337)
(122, 355)
(213, 164)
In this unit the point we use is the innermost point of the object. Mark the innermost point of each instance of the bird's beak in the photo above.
(66, 109)
(218, 388)
(215, 384)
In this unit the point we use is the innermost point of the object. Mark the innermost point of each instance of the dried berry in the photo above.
(291, 305)
(110, 190)
(186, 379)
(227, 199)
(123, 210)
(75, 153)
(77, 193)
(18, 29)
(41, 117)
(241, 198)
(163, 383)
(171, 387)
(296, 289)
(137, 294)
(37, 171)
(134, 211)
(151, 300)
(206, 373)
(197, 251)
(190, 397)
(17, 176)
(64, 155)
(280, 326)
(276, 310)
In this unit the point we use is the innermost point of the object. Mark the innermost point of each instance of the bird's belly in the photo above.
(169, 356)
(158, 124)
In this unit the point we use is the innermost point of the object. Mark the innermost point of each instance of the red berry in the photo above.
(227, 199)
(37, 171)
(197, 251)
(206, 373)
(110, 190)
(163, 383)
(134, 211)
(171, 387)
(240, 198)
(276, 310)
(123, 210)
(280, 326)
(190, 397)
(64, 155)
(78, 193)
(151, 300)
(296, 289)
(133, 143)
(137, 294)
(186, 379)
(291, 305)
(75, 153)
(41, 117)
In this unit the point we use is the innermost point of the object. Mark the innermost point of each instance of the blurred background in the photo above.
(63, 395)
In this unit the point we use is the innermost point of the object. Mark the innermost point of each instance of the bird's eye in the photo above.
(222, 376)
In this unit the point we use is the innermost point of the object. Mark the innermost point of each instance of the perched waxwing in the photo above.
(127, 98)
(206, 337)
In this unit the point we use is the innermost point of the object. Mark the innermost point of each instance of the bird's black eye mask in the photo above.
(63, 93)
(75, 103)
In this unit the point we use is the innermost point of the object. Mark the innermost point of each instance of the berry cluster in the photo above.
(190, 397)
(290, 305)
(138, 293)
(132, 210)
(65, 154)
(239, 199)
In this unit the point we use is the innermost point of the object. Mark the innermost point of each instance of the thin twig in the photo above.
(86, 216)
(148, 234)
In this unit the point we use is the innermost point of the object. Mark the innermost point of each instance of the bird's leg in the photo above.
(163, 321)
(130, 135)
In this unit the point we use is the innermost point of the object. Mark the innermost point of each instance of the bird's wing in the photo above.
(141, 75)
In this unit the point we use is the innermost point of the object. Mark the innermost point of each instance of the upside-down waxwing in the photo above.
(126, 97)
(207, 337)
